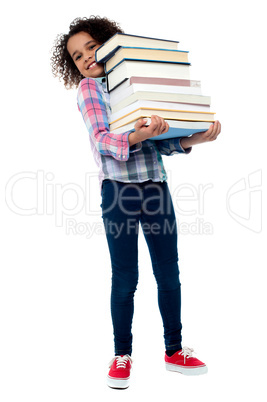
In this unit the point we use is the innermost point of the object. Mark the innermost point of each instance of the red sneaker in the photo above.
(119, 373)
(183, 362)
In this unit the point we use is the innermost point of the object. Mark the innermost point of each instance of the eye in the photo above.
(77, 58)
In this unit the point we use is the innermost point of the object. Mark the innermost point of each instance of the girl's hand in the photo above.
(211, 134)
(157, 126)
(198, 138)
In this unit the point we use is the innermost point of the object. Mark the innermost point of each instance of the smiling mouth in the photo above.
(92, 65)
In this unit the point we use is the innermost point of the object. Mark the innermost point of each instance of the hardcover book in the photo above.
(128, 68)
(178, 128)
(107, 50)
(164, 113)
(141, 53)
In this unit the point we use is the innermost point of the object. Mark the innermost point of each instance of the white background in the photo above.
(56, 335)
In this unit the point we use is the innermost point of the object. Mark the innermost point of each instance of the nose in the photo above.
(87, 57)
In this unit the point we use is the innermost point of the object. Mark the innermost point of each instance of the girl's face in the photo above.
(81, 48)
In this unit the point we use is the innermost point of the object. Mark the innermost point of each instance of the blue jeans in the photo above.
(124, 205)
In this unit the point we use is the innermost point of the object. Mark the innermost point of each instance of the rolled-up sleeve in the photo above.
(171, 146)
(93, 109)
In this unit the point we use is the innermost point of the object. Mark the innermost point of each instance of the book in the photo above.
(161, 97)
(164, 113)
(128, 68)
(141, 53)
(157, 105)
(106, 51)
(177, 128)
(148, 76)
(155, 84)
(159, 81)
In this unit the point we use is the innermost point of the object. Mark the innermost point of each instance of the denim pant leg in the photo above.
(160, 231)
(121, 221)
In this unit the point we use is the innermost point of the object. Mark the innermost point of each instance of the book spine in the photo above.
(164, 81)
(116, 86)
(107, 56)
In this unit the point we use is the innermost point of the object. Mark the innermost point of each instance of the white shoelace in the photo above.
(186, 352)
(121, 361)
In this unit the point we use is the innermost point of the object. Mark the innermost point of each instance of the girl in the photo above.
(133, 185)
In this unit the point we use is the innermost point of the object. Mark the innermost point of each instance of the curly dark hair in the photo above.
(63, 67)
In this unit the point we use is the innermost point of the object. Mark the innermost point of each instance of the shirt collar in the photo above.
(101, 80)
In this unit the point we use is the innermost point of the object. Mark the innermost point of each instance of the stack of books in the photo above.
(149, 76)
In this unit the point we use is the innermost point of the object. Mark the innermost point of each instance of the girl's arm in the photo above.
(93, 109)
(199, 138)
(173, 145)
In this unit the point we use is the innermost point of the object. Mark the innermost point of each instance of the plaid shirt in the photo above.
(113, 155)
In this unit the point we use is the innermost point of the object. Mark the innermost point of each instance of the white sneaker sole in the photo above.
(185, 370)
(119, 384)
